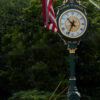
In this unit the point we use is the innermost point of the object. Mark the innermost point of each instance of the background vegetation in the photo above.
(33, 59)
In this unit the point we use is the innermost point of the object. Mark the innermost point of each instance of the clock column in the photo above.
(73, 93)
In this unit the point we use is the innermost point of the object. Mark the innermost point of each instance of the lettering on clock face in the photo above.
(72, 23)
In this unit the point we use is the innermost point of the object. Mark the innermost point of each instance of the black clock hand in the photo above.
(70, 29)
(69, 20)
(72, 23)
(71, 26)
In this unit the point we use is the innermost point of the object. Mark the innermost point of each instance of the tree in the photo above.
(34, 57)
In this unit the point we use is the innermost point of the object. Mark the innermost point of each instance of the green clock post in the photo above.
(73, 93)
(72, 25)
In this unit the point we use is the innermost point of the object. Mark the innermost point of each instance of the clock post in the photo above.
(72, 26)
(72, 93)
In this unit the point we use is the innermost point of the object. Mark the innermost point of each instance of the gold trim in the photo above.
(66, 34)
(72, 50)
(72, 79)
(64, 1)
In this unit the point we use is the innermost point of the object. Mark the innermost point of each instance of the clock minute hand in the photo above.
(69, 20)
(72, 23)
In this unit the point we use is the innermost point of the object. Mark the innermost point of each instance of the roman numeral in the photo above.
(63, 28)
(81, 18)
(72, 13)
(72, 34)
(81, 29)
(67, 32)
(83, 24)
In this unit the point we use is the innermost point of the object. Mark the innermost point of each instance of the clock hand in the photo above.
(70, 29)
(69, 20)
(72, 23)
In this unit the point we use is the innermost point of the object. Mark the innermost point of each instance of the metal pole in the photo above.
(73, 93)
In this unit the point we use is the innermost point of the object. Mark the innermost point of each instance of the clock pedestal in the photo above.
(73, 93)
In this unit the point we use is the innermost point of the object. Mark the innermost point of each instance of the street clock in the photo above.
(72, 21)
(72, 25)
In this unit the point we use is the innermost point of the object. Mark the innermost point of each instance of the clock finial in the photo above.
(71, 1)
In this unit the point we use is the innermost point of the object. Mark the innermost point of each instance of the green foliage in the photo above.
(33, 95)
(34, 57)
(30, 95)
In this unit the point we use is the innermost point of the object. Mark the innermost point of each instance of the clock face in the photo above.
(72, 23)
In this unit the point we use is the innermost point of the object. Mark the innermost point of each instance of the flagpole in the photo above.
(94, 4)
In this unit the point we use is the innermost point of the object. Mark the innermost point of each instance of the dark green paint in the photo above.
(72, 93)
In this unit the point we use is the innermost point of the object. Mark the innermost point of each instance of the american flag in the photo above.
(49, 18)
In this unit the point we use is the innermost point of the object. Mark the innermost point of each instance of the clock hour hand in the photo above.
(70, 29)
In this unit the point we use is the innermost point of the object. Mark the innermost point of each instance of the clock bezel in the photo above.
(60, 25)
(63, 10)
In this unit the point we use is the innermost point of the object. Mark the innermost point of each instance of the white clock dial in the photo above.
(72, 23)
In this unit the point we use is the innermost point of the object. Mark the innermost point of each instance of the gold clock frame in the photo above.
(85, 25)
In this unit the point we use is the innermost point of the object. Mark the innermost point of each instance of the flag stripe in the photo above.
(43, 10)
(52, 21)
(49, 18)
(52, 17)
